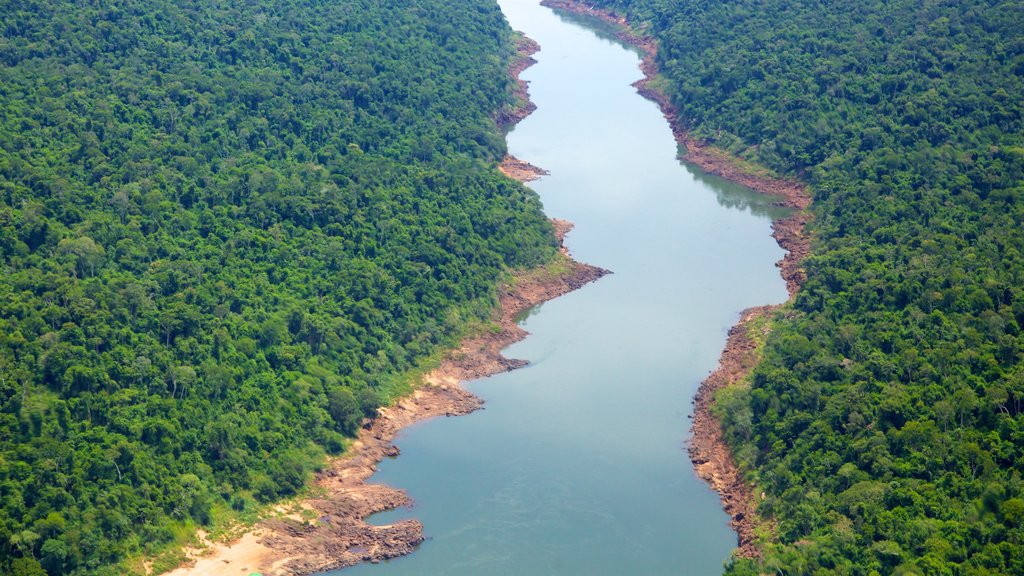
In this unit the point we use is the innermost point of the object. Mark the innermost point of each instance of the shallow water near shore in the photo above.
(577, 466)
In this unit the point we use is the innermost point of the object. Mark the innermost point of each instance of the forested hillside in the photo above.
(226, 229)
(886, 422)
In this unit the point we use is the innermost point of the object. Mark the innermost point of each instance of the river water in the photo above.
(577, 465)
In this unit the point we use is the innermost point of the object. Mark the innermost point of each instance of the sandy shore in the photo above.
(707, 448)
(329, 530)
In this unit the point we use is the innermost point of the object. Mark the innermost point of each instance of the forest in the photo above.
(885, 424)
(229, 231)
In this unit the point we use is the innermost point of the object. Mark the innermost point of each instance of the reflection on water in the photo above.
(732, 195)
(525, 314)
(602, 29)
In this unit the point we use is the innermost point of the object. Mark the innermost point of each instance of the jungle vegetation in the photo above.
(227, 229)
(885, 425)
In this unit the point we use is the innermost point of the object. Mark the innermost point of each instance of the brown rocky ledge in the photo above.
(519, 170)
(710, 454)
(707, 448)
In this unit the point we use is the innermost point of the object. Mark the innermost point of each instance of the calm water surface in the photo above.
(577, 464)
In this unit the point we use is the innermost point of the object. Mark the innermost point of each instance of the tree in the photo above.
(344, 410)
(183, 377)
(86, 254)
(1013, 511)
(26, 567)
(54, 556)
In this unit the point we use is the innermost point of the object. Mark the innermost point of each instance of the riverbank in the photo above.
(511, 166)
(522, 106)
(517, 169)
(708, 451)
(328, 530)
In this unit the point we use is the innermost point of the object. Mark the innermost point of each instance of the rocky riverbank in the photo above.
(329, 530)
(710, 454)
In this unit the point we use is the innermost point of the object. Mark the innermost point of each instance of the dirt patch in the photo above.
(707, 448)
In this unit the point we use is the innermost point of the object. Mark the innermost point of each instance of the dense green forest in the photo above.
(886, 422)
(227, 229)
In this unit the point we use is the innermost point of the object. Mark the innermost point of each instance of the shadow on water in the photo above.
(602, 29)
(736, 196)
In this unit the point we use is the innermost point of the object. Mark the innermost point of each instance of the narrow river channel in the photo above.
(577, 465)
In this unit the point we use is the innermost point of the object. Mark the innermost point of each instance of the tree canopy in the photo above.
(226, 229)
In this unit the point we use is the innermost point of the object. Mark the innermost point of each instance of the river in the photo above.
(577, 465)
